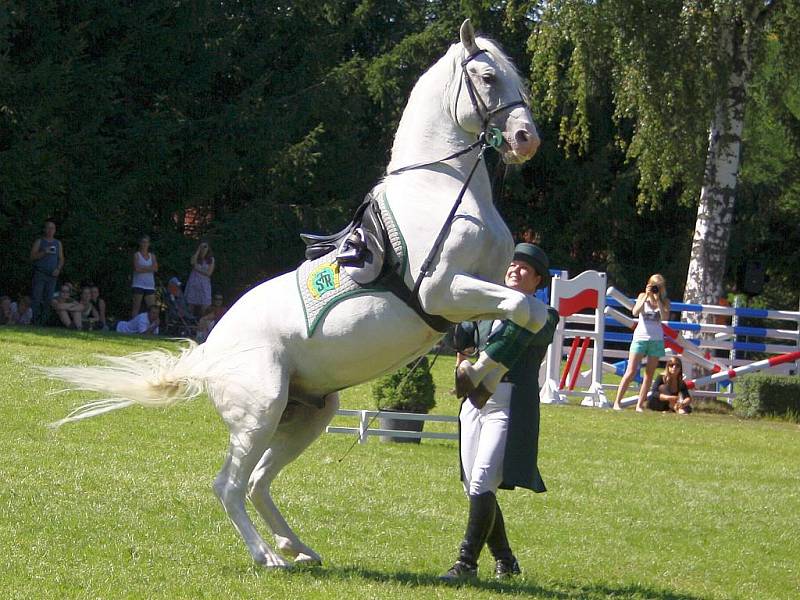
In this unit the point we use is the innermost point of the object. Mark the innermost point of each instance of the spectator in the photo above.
(198, 286)
(669, 391)
(7, 316)
(47, 256)
(87, 317)
(68, 309)
(23, 310)
(145, 323)
(145, 266)
(180, 320)
(99, 306)
(62, 303)
(176, 301)
(212, 316)
(651, 308)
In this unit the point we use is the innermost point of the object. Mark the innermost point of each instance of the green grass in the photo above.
(640, 506)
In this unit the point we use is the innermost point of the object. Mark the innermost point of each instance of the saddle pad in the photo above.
(323, 283)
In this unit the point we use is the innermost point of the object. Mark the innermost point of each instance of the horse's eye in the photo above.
(489, 78)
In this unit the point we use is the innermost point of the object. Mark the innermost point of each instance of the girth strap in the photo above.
(394, 283)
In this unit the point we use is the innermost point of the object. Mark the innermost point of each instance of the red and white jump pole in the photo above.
(759, 365)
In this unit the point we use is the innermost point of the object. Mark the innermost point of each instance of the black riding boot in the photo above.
(505, 562)
(481, 519)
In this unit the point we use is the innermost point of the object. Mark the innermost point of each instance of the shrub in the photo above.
(416, 394)
(764, 394)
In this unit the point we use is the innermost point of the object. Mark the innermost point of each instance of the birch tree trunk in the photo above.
(715, 210)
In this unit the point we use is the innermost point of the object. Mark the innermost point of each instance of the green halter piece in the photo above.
(494, 137)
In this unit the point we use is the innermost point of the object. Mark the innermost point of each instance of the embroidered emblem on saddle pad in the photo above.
(323, 282)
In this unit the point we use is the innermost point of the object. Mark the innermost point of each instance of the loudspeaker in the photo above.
(753, 277)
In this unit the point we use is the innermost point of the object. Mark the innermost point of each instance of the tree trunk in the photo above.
(715, 210)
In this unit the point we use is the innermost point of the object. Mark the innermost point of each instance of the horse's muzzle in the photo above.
(520, 137)
(523, 144)
(527, 142)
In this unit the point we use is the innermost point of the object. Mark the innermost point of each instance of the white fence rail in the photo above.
(368, 417)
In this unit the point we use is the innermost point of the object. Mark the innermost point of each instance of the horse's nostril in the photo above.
(521, 136)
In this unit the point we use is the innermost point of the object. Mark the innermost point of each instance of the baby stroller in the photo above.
(178, 321)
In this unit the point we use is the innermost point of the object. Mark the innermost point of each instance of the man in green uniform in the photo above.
(499, 432)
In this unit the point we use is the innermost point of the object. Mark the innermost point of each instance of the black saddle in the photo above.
(321, 244)
(361, 246)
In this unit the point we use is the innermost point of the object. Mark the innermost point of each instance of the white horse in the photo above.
(275, 386)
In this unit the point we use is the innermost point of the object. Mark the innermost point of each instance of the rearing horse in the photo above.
(274, 384)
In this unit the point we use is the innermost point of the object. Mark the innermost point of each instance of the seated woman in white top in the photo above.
(144, 323)
(145, 266)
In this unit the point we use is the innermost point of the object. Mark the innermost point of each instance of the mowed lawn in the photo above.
(639, 506)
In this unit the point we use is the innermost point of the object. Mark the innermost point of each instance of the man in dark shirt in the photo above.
(47, 256)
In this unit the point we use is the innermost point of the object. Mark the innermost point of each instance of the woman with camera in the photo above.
(651, 308)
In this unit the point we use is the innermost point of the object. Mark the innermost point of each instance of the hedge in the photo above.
(763, 394)
(410, 389)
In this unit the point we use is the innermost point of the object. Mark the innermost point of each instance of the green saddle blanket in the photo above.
(323, 282)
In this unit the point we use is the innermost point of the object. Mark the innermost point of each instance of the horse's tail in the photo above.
(157, 378)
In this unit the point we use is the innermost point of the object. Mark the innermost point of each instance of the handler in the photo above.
(499, 438)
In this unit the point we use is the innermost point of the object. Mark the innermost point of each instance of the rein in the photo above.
(469, 148)
(399, 386)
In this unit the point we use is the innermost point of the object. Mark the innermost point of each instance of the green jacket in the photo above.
(520, 466)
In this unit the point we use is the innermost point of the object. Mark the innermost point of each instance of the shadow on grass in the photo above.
(559, 590)
(53, 336)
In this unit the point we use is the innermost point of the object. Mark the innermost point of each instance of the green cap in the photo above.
(535, 257)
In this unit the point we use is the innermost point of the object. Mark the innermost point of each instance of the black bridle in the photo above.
(484, 112)
(487, 138)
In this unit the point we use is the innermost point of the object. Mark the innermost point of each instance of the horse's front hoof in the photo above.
(464, 385)
(270, 560)
(479, 396)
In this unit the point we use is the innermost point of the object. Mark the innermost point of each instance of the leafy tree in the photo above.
(245, 123)
(662, 71)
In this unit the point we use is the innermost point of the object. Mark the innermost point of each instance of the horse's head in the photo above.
(489, 95)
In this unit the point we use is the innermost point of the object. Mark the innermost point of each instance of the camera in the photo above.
(653, 288)
(51, 249)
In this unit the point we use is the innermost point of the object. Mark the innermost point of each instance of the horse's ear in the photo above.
(468, 37)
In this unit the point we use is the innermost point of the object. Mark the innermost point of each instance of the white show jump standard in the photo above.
(275, 385)
(581, 293)
(569, 296)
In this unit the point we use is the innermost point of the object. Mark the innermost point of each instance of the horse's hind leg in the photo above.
(301, 427)
(252, 410)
